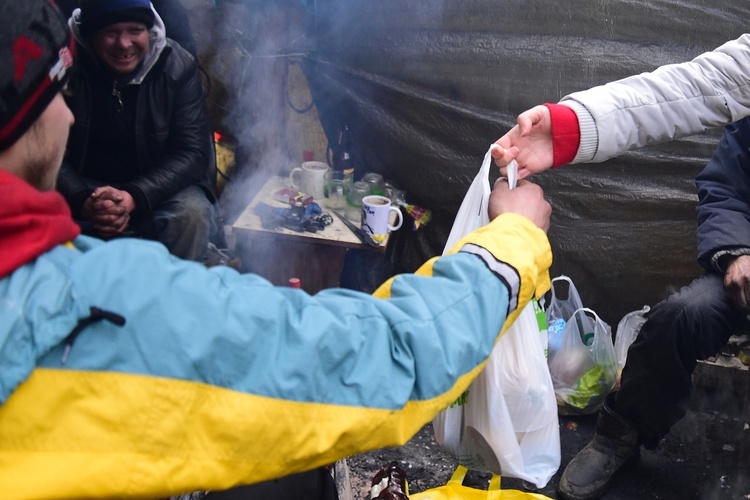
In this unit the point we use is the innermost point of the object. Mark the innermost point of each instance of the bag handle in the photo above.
(587, 310)
(473, 212)
(493, 491)
(596, 319)
(571, 287)
(483, 177)
(458, 475)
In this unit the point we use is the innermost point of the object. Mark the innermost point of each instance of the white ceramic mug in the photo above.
(376, 213)
(310, 178)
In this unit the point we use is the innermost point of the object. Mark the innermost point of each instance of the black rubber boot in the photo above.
(615, 443)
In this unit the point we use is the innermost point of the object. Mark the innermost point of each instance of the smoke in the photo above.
(257, 53)
(252, 56)
(259, 48)
(253, 49)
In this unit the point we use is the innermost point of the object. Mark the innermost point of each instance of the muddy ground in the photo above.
(705, 457)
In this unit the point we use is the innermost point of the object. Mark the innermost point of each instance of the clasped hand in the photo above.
(108, 209)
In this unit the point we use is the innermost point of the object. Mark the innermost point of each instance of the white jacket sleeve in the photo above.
(673, 101)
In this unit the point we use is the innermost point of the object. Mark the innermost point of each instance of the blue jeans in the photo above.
(692, 324)
(184, 224)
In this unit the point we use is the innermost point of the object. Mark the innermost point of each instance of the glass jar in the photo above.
(337, 189)
(358, 190)
(376, 182)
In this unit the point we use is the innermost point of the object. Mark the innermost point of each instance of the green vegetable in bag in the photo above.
(592, 388)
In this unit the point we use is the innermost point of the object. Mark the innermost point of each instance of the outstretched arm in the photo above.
(673, 101)
(217, 379)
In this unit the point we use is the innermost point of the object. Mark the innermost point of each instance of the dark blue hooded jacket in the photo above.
(724, 194)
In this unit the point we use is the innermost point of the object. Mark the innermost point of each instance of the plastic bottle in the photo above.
(555, 332)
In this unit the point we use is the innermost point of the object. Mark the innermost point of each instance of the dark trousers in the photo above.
(692, 324)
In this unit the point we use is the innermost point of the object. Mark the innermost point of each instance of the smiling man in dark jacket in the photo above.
(139, 155)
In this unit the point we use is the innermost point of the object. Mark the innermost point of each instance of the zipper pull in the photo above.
(118, 96)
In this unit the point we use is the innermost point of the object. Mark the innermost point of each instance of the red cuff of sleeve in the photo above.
(566, 136)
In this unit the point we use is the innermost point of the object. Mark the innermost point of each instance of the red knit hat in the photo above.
(36, 54)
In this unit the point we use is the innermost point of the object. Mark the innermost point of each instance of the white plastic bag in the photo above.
(472, 214)
(506, 422)
(627, 331)
(584, 368)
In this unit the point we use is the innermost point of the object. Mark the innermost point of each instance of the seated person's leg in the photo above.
(692, 324)
(183, 223)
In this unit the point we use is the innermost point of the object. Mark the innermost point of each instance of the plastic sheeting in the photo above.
(426, 86)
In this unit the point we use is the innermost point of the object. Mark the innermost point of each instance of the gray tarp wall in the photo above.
(427, 86)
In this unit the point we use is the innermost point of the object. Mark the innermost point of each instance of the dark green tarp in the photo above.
(427, 86)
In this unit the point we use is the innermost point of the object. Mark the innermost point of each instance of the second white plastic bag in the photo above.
(627, 330)
(584, 368)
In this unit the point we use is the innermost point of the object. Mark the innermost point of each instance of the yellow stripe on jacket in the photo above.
(191, 436)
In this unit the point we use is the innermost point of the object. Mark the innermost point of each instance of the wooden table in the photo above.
(279, 254)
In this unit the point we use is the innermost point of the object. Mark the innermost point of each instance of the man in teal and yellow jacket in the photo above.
(126, 372)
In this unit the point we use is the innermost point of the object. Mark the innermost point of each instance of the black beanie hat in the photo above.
(36, 54)
(96, 14)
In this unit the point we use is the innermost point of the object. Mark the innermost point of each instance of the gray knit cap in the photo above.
(36, 54)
